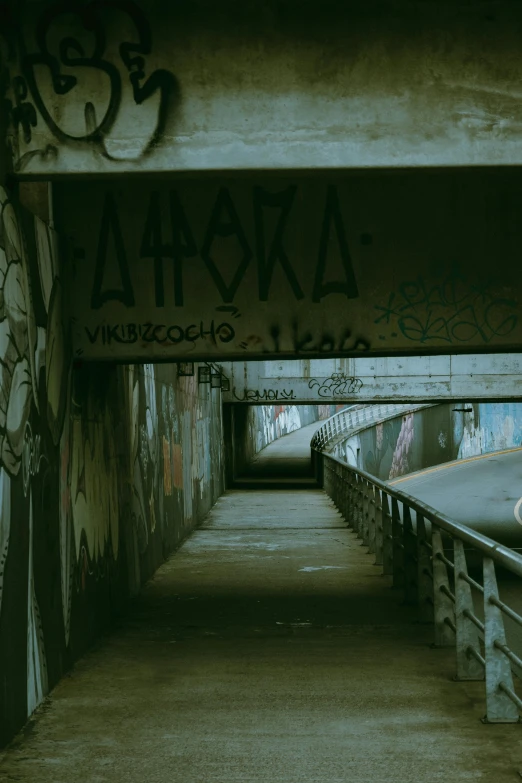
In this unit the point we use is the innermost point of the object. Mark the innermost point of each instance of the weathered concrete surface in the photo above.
(386, 379)
(199, 85)
(258, 267)
(413, 440)
(268, 648)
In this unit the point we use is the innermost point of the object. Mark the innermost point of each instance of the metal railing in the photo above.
(426, 553)
(356, 417)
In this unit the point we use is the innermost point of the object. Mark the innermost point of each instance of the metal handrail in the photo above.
(439, 586)
(502, 554)
(355, 417)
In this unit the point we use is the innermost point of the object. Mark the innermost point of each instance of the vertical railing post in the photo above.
(344, 492)
(468, 667)
(354, 502)
(387, 537)
(410, 558)
(365, 511)
(398, 547)
(349, 510)
(500, 708)
(340, 491)
(371, 517)
(378, 527)
(348, 486)
(359, 515)
(424, 572)
(333, 484)
(326, 472)
(443, 605)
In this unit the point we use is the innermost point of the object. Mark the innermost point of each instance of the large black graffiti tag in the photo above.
(224, 250)
(348, 286)
(266, 262)
(224, 222)
(73, 58)
(111, 226)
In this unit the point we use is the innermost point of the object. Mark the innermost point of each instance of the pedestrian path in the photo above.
(284, 462)
(268, 649)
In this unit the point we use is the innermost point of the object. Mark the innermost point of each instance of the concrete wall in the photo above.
(258, 267)
(433, 435)
(373, 379)
(232, 85)
(103, 470)
(337, 262)
(487, 427)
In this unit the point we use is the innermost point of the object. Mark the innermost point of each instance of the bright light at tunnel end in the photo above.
(516, 511)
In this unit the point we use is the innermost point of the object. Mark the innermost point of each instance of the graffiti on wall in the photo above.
(32, 400)
(287, 262)
(400, 464)
(385, 449)
(171, 334)
(168, 236)
(337, 385)
(89, 487)
(144, 452)
(176, 240)
(91, 458)
(486, 427)
(67, 78)
(454, 310)
(267, 423)
(263, 395)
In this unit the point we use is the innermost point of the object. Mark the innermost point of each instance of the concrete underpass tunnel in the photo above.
(196, 191)
(258, 452)
(259, 625)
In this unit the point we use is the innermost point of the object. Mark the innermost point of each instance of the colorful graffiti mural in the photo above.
(100, 473)
(32, 402)
(266, 423)
(437, 434)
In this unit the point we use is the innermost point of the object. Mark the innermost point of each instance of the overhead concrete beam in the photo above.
(199, 86)
(362, 380)
(252, 267)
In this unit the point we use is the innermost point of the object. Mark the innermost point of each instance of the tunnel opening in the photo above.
(265, 576)
(260, 426)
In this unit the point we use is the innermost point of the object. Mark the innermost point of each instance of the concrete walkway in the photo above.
(268, 648)
(285, 461)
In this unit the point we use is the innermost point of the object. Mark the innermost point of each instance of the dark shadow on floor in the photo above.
(286, 463)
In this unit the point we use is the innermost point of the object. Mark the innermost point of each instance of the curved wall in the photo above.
(433, 435)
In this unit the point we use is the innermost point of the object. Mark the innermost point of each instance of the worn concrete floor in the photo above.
(284, 462)
(268, 648)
